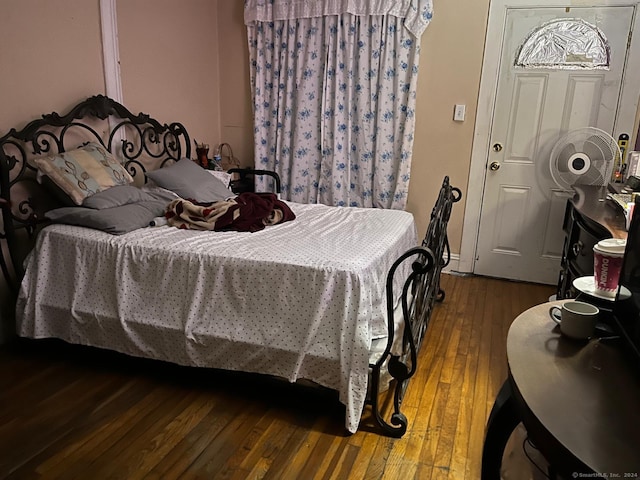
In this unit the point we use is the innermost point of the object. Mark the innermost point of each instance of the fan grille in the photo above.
(585, 156)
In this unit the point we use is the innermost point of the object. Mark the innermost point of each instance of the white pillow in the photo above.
(83, 172)
(224, 177)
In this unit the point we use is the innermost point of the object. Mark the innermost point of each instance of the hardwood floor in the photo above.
(71, 412)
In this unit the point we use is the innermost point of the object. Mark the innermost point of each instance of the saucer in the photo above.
(587, 285)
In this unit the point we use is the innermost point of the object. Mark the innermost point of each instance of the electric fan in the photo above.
(584, 156)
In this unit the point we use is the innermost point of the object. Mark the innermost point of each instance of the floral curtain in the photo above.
(334, 91)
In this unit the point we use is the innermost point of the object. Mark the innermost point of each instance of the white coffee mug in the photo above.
(576, 319)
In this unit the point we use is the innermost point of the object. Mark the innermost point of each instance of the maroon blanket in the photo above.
(248, 212)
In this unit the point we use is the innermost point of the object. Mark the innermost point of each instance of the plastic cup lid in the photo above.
(611, 245)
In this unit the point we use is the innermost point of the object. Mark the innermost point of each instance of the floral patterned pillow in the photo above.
(82, 172)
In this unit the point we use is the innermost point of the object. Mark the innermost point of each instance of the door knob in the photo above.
(497, 147)
(494, 166)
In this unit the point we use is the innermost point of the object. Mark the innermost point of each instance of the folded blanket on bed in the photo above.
(248, 212)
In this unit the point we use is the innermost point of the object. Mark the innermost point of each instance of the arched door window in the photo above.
(565, 43)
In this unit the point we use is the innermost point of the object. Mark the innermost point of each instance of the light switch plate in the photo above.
(458, 113)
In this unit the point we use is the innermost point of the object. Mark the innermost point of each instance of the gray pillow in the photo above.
(190, 181)
(123, 195)
(116, 220)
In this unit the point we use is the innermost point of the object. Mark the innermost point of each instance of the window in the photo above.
(565, 43)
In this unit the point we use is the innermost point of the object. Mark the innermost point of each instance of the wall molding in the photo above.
(110, 50)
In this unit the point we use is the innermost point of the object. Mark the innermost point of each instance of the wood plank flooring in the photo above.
(71, 412)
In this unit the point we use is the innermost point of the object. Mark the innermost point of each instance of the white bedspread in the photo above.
(298, 300)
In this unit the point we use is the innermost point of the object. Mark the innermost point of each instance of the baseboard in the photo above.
(454, 267)
(454, 262)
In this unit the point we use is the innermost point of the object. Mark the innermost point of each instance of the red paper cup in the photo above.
(607, 262)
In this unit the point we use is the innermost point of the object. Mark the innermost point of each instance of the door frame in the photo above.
(627, 108)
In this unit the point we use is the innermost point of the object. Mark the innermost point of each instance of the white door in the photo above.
(520, 233)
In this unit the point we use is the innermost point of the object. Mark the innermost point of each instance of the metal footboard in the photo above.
(419, 293)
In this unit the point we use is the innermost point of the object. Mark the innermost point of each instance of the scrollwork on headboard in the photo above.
(140, 142)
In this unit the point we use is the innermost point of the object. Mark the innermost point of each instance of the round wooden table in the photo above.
(578, 400)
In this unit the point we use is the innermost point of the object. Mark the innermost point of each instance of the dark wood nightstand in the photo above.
(589, 218)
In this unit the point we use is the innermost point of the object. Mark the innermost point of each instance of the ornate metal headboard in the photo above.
(140, 142)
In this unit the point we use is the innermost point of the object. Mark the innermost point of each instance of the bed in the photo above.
(340, 297)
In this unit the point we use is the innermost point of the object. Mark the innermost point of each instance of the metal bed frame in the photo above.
(145, 144)
(419, 293)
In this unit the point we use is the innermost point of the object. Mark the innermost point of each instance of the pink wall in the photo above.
(235, 105)
(51, 55)
(169, 62)
(47, 65)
